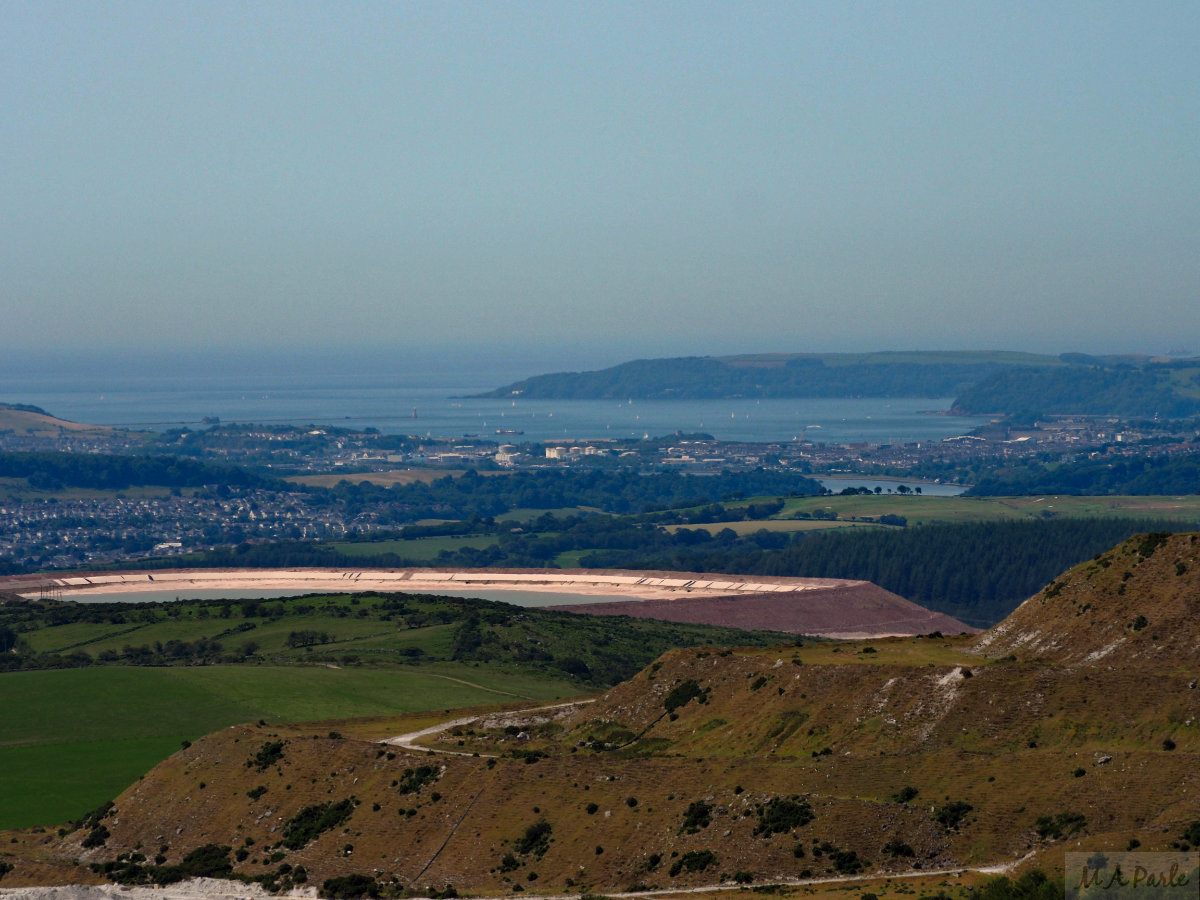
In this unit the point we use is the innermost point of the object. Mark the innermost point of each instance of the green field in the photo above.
(921, 509)
(857, 510)
(73, 739)
(97, 694)
(420, 549)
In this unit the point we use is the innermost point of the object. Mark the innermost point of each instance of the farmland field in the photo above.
(72, 739)
(920, 510)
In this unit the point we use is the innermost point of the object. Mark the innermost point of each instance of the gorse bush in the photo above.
(782, 814)
(683, 694)
(951, 815)
(1063, 824)
(535, 840)
(693, 861)
(415, 779)
(312, 821)
(698, 815)
(268, 754)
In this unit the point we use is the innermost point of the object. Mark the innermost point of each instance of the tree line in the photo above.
(618, 491)
(105, 471)
(1137, 475)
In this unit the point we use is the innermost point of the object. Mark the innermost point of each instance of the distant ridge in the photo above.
(27, 419)
(780, 375)
(982, 382)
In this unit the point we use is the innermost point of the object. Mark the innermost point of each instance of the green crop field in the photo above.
(418, 549)
(97, 694)
(857, 510)
(921, 509)
(73, 739)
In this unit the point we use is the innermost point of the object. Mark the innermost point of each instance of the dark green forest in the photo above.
(1134, 475)
(621, 491)
(1085, 390)
(104, 471)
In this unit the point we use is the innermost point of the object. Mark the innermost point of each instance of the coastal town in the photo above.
(46, 527)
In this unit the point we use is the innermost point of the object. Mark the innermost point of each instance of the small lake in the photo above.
(839, 483)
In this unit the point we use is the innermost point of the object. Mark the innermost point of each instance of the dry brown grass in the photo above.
(37, 425)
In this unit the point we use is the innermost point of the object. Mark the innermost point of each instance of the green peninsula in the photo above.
(982, 382)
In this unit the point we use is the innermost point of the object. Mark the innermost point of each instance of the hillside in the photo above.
(983, 383)
(1139, 602)
(758, 766)
(780, 375)
(32, 421)
(1089, 387)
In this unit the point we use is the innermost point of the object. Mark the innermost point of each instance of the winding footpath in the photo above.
(409, 741)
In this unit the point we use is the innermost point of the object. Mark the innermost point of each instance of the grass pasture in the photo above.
(786, 525)
(420, 549)
(383, 479)
(922, 510)
(73, 739)
(107, 691)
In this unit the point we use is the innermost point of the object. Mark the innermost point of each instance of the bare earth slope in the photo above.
(848, 609)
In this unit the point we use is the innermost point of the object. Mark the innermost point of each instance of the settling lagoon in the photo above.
(515, 597)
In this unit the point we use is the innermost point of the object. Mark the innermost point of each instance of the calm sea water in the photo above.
(420, 399)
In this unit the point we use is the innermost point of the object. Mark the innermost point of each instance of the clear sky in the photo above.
(620, 178)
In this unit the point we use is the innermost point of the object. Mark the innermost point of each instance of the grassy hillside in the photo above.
(102, 692)
(738, 766)
(32, 421)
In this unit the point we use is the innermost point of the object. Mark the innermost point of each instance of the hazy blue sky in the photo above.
(628, 178)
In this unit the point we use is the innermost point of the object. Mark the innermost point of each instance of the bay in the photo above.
(427, 398)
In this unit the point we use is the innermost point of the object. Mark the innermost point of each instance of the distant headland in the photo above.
(982, 382)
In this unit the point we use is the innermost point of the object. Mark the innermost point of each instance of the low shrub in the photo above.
(693, 861)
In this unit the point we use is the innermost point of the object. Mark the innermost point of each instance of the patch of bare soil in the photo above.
(852, 611)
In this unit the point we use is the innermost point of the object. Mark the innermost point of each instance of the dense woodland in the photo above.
(620, 492)
(615, 491)
(1134, 475)
(104, 471)
(1153, 390)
